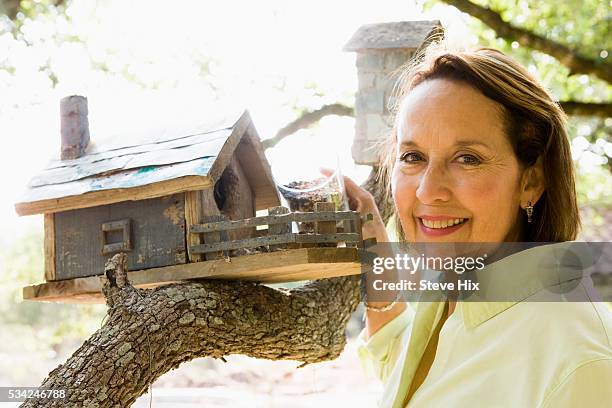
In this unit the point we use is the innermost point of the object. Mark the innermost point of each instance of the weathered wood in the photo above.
(49, 246)
(212, 239)
(274, 240)
(193, 215)
(358, 227)
(272, 267)
(277, 219)
(227, 151)
(257, 169)
(278, 229)
(125, 244)
(326, 238)
(213, 244)
(103, 197)
(158, 235)
(74, 126)
(209, 205)
(325, 227)
(237, 198)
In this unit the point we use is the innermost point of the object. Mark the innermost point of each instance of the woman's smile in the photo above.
(439, 225)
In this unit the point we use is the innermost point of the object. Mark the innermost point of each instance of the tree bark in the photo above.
(149, 332)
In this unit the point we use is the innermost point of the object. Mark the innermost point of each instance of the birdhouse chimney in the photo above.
(74, 126)
(381, 49)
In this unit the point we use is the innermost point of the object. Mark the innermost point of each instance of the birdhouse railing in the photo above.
(322, 228)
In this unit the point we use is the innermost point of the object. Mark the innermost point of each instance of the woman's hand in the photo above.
(363, 202)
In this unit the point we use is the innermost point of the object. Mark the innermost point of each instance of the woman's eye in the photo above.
(469, 159)
(410, 157)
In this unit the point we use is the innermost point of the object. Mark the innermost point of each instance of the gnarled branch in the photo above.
(150, 332)
(572, 59)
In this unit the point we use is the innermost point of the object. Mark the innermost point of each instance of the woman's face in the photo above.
(455, 178)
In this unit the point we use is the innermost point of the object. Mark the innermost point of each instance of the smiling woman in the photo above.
(479, 153)
(498, 140)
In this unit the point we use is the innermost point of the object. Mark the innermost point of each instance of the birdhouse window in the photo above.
(116, 236)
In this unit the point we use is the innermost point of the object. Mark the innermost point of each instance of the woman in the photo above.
(479, 153)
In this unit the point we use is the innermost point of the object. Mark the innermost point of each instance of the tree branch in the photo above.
(306, 120)
(150, 332)
(602, 110)
(570, 58)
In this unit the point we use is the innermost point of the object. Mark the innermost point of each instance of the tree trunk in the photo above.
(150, 332)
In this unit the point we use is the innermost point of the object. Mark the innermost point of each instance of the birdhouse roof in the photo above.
(400, 34)
(128, 168)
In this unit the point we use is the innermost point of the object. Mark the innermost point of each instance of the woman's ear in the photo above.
(532, 184)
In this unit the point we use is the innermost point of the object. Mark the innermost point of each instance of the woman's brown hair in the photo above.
(534, 123)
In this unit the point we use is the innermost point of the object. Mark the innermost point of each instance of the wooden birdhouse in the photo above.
(176, 203)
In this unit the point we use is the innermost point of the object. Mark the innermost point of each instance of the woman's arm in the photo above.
(377, 319)
(362, 201)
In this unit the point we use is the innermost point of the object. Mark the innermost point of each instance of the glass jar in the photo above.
(301, 195)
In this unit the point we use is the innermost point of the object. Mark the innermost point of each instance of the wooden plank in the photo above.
(278, 229)
(243, 243)
(212, 240)
(49, 246)
(251, 154)
(299, 273)
(323, 238)
(209, 205)
(193, 215)
(274, 240)
(103, 197)
(325, 227)
(281, 266)
(277, 219)
(226, 153)
(157, 235)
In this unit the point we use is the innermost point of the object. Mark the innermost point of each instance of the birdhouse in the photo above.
(177, 203)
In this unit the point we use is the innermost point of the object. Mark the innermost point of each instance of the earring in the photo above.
(529, 211)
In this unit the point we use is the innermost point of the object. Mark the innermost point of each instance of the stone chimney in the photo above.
(74, 126)
(381, 49)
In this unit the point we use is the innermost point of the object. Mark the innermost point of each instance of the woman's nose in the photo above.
(434, 185)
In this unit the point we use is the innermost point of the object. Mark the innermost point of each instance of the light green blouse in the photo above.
(501, 354)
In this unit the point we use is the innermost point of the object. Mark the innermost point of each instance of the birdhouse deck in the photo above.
(271, 253)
